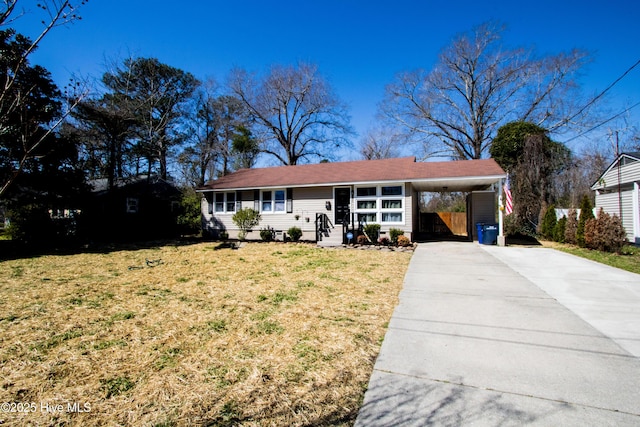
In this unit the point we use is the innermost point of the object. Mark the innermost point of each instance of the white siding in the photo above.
(629, 173)
(610, 203)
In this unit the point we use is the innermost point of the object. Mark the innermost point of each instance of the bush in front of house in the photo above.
(394, 233)
(246, 219)
(362, 240)
(605, 233)
(267, 234)
(404, 241)
(373, 231)
(294, 233)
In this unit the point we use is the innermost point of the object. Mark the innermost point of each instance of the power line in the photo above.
(565, 121)
(603, 123)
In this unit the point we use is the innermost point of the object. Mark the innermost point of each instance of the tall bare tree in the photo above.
(296, 110)
(381, 143)
(478, 85)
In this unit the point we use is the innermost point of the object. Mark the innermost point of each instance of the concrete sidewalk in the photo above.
(474, 340)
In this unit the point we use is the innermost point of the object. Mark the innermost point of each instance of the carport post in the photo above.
(501, 239)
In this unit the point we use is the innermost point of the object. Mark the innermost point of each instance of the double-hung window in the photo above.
(392, 200)
(225, 202)
(273, 201)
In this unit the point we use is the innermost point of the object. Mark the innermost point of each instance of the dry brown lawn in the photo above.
(270, 334)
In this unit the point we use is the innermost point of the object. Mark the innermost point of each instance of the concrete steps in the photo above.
(333, 237)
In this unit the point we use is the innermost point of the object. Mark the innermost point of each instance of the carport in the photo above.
(484, 198)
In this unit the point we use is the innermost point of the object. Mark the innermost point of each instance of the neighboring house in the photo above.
(618, 192)
(137, 207)
(326, 200)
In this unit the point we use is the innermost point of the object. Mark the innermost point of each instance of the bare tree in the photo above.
(477, 86)
(19, 89)
(296, 110)
(16, 95)
(381, 143)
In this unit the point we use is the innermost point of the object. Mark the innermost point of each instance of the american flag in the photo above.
(508, 199)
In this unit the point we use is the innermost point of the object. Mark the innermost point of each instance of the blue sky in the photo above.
(358, 45)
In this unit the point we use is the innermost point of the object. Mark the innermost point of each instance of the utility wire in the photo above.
(600, 124)
(565, 121)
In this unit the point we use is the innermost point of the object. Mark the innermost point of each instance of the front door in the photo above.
(342, 203)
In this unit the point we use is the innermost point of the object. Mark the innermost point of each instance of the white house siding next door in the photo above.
(636, 213)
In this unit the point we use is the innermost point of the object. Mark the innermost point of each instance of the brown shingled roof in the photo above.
(387, 170)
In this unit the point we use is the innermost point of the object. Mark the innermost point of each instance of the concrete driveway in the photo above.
(492, 336)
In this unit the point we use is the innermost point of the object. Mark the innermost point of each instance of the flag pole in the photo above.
(501, 239)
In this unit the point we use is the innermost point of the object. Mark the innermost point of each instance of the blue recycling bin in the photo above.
(489, 234)
(480, 229)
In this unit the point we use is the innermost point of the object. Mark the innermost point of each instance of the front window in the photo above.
(274, 201)
(380, 204)
(225, 202)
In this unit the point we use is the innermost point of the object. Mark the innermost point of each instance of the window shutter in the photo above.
(256, 200)
(289, 200)
(238, 201)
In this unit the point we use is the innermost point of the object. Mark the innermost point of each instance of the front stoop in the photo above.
(331, 239)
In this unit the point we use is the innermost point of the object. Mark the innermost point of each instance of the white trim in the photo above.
(636, 210)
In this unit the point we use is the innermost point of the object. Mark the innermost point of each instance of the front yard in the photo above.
(270, 334)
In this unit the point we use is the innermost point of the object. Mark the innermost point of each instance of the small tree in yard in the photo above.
(548, 222)
(560, 229)
(586, 213)
(246, 219)
(571, 227)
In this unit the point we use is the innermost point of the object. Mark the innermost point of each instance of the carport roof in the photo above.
(462, 175)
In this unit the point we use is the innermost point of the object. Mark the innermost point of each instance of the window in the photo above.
(368, 217)
(392, 204)
(383, 204)
(392, 191)
(391, 216)
(367, 204)
(274, 201)
(279, 201)
(225, 202)
(231, 202)
(266, 201)
(366, 191)
(132, 205)
(219, 205)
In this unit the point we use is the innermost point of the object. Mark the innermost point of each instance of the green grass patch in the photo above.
(628, 260)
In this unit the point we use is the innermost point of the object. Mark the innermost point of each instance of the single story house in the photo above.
(137, 207)
(326, 200)
(618, 192)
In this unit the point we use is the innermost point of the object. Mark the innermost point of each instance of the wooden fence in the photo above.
(444, 223)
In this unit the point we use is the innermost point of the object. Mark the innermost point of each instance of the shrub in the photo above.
(294, 233)
(362, 240)
(586, 213)
(245, 219)
(571, 227)
(605, 233)
(372, 230)
(394, 233)
(560, 229)
(384, 241)
(267, 234)
(403, 241)
(189, 219)
(549, 221)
